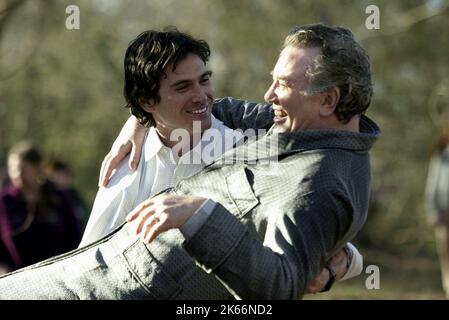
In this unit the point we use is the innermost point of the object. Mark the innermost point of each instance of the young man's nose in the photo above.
(200, 95)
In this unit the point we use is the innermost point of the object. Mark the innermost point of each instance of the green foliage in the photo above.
(63, 88)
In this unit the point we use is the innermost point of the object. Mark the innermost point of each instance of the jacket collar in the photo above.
(274, 145)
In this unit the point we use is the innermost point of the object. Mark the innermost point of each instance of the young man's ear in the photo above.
(329, 101)
(147, 104)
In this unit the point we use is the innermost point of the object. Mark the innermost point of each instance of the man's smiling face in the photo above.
(294, 110)
(186, 96)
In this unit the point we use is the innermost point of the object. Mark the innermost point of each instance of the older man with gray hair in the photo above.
(257, 228)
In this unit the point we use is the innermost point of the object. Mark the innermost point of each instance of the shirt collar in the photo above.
(198, 148)
(153, 143)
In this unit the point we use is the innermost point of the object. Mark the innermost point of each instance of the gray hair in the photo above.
(342, 63)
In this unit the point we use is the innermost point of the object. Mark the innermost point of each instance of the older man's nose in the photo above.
(270, 95)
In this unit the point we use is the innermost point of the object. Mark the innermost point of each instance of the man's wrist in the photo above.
(196, 221)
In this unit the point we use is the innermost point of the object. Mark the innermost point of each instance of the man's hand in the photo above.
(162, 213)
(130, 139)
(318, 283)
(339, 262)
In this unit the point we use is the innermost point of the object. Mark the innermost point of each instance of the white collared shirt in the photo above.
(157, 171)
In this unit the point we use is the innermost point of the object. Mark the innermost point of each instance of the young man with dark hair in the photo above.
(257, 229)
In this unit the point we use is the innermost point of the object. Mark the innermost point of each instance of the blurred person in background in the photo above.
(37, 220)
(4, 179)
(437, 201)
(61, 174)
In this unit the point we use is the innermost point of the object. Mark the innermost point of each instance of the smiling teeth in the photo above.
(198, 111)
(279, 113)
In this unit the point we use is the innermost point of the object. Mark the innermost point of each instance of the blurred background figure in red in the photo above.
(4, 178)
(61, 174)
(37, 220)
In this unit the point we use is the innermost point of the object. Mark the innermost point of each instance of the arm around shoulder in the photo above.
(240, 114)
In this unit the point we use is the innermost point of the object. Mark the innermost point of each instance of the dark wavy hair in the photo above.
(342, 63)
(146, 59)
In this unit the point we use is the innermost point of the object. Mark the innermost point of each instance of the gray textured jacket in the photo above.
(283, 211)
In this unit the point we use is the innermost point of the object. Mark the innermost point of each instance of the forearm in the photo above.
(284, 257)
(239, 114)
(249, 269)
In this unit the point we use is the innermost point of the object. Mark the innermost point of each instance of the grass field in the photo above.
(400, 279)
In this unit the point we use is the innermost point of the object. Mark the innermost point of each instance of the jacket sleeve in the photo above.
(239, 114)
(295, 246)
(356, 265)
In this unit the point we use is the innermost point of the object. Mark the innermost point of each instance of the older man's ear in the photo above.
(329, 101)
